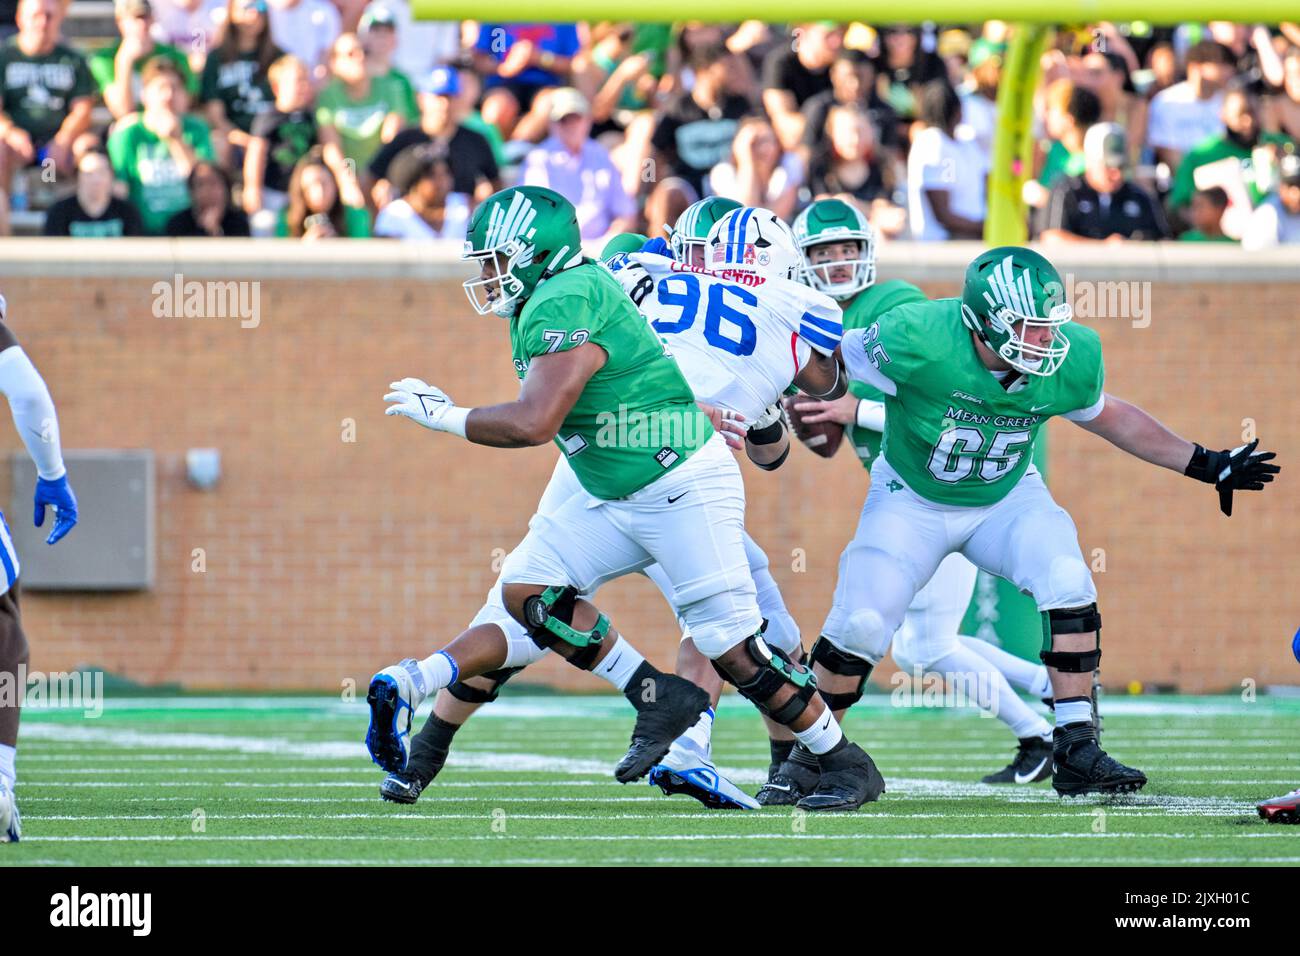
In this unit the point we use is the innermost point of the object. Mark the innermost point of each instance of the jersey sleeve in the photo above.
(558, 324)
(822, 323)
(882, 354)
(1085, 394)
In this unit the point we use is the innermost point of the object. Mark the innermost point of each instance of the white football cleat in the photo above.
(10, 826)
(394, 694)
(683, 771)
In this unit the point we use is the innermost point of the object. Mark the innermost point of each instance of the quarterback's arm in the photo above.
(550, 389)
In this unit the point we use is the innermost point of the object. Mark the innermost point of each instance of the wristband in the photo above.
(453, 420)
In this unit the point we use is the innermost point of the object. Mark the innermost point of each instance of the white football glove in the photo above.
(426, 405)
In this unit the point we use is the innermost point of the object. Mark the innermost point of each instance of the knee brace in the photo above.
(775, 671)
(475, 695)
(1071, 620)
(549, 619)
(839, 662)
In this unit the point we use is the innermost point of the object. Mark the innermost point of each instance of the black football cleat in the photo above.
(404, 786)
(1079, 766)
(1282, 809)
(677, 705)
(1032, 763)
(790, 781)
(849, 779)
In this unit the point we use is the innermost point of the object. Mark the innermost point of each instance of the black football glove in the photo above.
(1240, 468)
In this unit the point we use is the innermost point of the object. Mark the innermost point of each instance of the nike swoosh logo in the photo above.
(399, 783)
(1039, 408)
(828, 722)
(614, 662)
(1026, 778)
(678, 498)
(778, 786)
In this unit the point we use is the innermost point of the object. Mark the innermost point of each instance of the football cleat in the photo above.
(393, 697)
(677, 705)
(849, 779)
(402, 787)
(10, 825)
(1080, 766)
(789, 783)
(1282, 809)
(685, 772)
(1032, 763)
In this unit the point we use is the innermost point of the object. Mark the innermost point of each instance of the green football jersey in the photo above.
(952, 432)
(867, 306)
(636, 419)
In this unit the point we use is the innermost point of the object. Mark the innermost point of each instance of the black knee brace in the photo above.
(475, 695)
(549, 619)
(775, 671)
(1071, 620)
(839, 662)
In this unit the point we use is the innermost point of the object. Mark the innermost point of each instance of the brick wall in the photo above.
(327, 558)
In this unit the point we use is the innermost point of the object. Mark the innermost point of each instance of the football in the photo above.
(823, 438)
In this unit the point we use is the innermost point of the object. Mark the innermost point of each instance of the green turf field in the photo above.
(286, 780)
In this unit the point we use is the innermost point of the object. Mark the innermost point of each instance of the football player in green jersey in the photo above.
(839, 259)
(968, 382)
(660, 487)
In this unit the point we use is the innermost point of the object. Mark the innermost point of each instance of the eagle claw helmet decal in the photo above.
(529, 233)
(1008, 291)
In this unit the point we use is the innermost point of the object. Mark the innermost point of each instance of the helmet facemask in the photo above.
(817, 276)
(682, 248)
(500, 292)
(1003, 328)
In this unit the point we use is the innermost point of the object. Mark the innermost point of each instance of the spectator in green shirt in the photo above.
(236, 85)
(118, 68)
(1241, 140)
(154, 154)
(1206, 215)
(357, 113)
(1069, 111)
(378, 33)
(46, 96)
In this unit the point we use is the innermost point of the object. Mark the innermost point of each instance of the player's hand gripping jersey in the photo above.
(952, 432)
(738, 337)
(636, 418)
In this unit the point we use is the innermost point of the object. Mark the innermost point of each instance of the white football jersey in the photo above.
(739, 338)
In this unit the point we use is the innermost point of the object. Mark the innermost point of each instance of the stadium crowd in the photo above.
(332, 118)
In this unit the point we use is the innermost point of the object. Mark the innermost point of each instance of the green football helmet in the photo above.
(625, 242)
(693, 225)
(1009, 291)
(529, 233)
(834, 220)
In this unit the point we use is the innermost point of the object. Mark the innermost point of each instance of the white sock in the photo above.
(699, 736)
(1073, 711)
(619, 664)
(438, 670)
(1030, 677)
(8, 775)
(992, 692)
(824, 734)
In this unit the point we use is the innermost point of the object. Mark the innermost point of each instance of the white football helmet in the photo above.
(753, 239)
